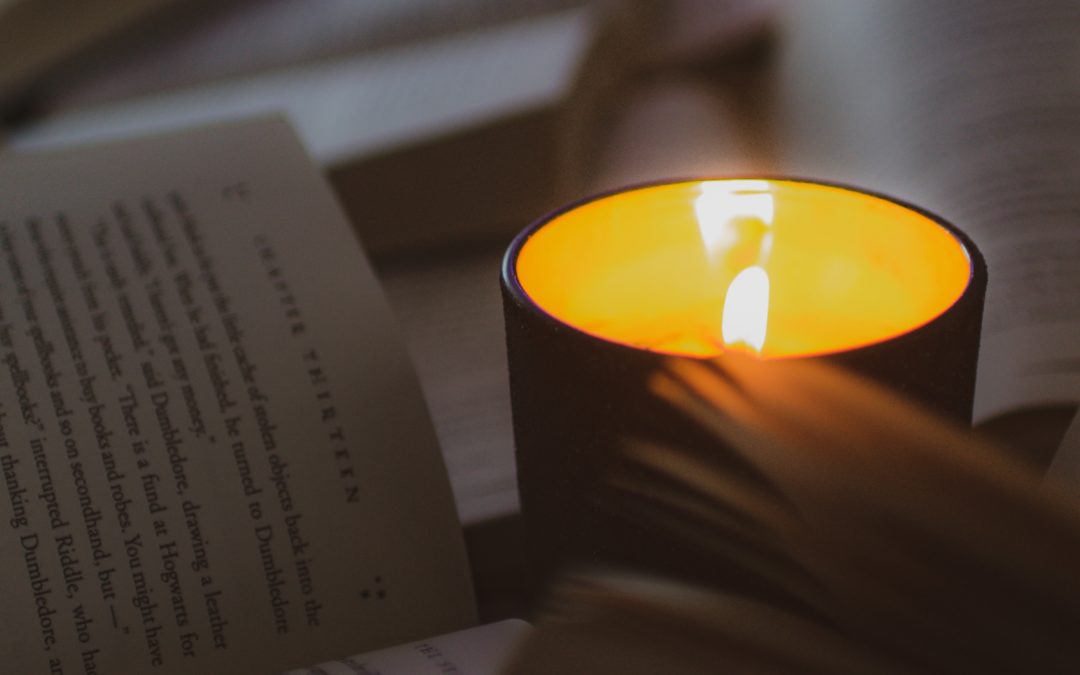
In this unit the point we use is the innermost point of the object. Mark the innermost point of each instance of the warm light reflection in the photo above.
(746, 310)
(722, 203)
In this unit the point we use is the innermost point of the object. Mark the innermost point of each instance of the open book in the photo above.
(868, 537)
(215, 455)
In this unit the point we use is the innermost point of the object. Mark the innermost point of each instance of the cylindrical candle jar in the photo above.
(598, 294)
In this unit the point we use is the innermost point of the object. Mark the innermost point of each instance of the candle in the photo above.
(598, 294)
(782, 268)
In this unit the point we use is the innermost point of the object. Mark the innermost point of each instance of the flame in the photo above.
(722, 203)
(746, 309)
(719, 208)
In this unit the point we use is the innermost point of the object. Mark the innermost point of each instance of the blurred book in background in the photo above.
(235, 38)
(971, 109)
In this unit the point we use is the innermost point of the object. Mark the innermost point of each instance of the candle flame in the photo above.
(722, 202)
(746, 309)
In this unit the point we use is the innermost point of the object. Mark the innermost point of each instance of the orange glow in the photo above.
(782, 268)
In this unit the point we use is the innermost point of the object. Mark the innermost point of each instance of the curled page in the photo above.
(215, 455)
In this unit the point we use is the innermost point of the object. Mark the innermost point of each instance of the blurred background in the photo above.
(446, 126)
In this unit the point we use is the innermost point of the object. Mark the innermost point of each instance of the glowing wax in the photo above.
(783, 268)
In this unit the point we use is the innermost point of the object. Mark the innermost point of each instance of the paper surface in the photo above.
(475, 651)
(215, 455)
(450, 309)
(972, 110)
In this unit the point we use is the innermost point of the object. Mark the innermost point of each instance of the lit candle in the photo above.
(597, 295)
(782, 268)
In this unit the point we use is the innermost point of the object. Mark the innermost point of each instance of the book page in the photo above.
(483, 650)
(972, 110)
(214, 452)
(450, 312)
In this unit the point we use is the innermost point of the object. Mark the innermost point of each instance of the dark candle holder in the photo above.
(577, 398)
